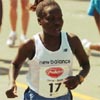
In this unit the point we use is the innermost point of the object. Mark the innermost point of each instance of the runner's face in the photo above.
(52, 21)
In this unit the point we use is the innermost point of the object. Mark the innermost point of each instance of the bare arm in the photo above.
(25, 51)
(80, 54)
(82, 58)
(78, 50)
(34, 5)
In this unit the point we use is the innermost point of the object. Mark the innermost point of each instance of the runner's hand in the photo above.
(71, 82)
(12, 92)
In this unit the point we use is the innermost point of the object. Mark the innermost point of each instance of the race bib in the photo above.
(51, 82)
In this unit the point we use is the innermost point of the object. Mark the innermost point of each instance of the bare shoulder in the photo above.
(74, 41)
(27, 48)
(73, 36)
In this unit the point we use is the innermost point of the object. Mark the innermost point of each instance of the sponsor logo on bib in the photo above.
(54, 72)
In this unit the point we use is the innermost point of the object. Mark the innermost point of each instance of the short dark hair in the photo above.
(42, 5)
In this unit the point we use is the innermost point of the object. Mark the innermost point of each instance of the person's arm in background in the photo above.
(34, 5)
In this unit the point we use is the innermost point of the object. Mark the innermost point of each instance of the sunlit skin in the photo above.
(34, 5)
(14, 15)
(97, 19)
(95, 47)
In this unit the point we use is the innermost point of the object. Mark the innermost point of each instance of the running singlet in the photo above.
(48, 69)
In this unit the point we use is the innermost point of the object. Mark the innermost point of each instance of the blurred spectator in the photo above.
(13, 21)
(89, 46)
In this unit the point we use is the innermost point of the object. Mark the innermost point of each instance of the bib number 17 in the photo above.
(54, 87)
